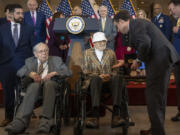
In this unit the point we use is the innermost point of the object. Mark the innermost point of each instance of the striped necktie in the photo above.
(40, 69)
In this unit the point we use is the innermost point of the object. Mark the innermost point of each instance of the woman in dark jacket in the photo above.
(58, 42)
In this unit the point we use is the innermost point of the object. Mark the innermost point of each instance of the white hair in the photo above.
(37, 45)
(103, 6)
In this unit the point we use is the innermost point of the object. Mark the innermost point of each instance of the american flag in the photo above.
(127, 4)
(65, 7)
(87, 9)
(46, 9)
(111, 10)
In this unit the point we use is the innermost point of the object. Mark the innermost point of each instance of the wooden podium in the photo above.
(63, 25)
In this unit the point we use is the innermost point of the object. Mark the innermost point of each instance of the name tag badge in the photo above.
(161, 20)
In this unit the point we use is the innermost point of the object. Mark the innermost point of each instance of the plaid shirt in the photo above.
(92, 66)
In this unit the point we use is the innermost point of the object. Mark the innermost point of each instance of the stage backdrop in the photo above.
(116, 3)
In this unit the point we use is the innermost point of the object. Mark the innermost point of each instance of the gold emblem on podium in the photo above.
(75, 24)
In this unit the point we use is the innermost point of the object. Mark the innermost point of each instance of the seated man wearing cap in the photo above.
(97, 65)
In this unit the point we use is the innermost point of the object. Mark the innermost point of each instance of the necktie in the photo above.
(40, 69)
(178, 23)
(33, 18)
(103, 24)
(15, 34)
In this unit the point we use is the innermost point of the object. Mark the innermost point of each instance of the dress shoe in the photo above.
(43, 130)
(5, 123)
(117, 121)
(16, 127)
(176, 118)
(44, 126)
(145, 132)
(92, 123)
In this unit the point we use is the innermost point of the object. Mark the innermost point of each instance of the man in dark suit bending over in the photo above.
(159, 55)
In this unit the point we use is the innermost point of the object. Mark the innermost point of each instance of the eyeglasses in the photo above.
(43, 51)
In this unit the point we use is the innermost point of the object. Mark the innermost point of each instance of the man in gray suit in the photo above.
(106, 25)
(41, 69)
(159, 55)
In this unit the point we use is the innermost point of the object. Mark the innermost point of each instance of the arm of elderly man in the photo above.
(30, 70)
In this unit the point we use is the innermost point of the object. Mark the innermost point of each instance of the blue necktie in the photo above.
(15, 34)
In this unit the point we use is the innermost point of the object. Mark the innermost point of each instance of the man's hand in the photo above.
(105, 77)
(119, 64)
(175, 29)
(48, 76)
(63, 47)
(36, 77)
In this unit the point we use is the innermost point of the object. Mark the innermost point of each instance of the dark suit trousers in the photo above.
(158, 72)
(177, 81)
(96, 86)
(8, 80)
(33, 91)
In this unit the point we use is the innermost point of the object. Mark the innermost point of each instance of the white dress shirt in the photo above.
(99, 54)
(45, 67)
(157, 17)
(12, 28)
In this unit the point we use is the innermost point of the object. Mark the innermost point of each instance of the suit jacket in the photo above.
(164, 24)
(92, 66)
(55, 64)
(149, 41)
(9, 53)
(39, 28)
(3, 21)
(110, 32)
(176, 39)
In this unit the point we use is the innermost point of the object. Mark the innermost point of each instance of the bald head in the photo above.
(32, 5)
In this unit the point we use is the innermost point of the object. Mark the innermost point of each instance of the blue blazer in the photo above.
(39, 28)
(176, 41)
(3, 20)
(9, 53)
(164, 24)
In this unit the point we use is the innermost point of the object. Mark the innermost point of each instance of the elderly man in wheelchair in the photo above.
(40, 69)
(97, 66)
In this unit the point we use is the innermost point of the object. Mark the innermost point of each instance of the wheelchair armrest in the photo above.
(25, 81)
(59, 79)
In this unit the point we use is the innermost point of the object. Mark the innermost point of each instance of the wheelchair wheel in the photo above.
(125, 130)
(78, 128)
(66, 104)
(56, 129)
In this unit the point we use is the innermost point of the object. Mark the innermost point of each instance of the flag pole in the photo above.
(133, 6)
(112, 6)
(70, 4)
(49, 6)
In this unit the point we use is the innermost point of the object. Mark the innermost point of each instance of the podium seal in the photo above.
(75, 24)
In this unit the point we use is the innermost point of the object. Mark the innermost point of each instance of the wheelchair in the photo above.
(61, 102)
(81, 98)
